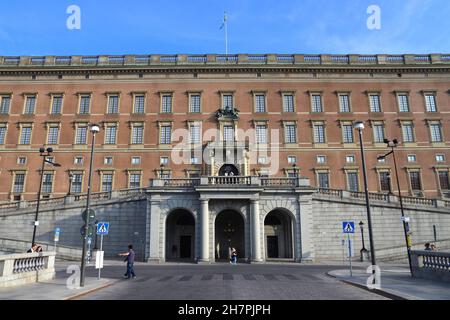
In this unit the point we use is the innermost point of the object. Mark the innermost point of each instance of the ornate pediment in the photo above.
(230, 113)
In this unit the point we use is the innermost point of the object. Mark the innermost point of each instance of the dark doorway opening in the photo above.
(272, 246)
(228, 170)
(185, 247)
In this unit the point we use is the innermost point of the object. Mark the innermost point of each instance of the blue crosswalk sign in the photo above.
(348, 227)
(103, 228)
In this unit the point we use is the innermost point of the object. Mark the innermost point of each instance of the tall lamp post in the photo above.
(94, 130)
(44, 153)
(363, 250)
(393, 144)
(359, 125)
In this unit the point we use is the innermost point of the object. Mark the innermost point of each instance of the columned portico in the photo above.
(256, 234)
(204, 231)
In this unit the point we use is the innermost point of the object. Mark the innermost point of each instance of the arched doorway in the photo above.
(180, 235)
(278, 235)
(228, 170)
(229, 232)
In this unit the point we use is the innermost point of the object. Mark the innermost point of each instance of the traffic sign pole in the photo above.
(98, 255)
(350, 253)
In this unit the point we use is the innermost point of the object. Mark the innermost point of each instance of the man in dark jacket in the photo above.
(129, 259)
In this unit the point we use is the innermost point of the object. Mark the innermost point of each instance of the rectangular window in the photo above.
(5, 103)
(292, 159)
(350, 159)
(262, 160)
(324, 180)
(110, 135)
(288, 103)
(430, 102)
(194, 134)
(378, 133)
(444, 180)
(412, 158)
(227, 101)
(316, 101)
(139, 104)
(19, 183)
(85, 103)
(319, 133)
(57, 104)
(416, 184)
(21, 160)
(408, 132)
(440, 158)
(403, 103)
(436, 133)
(166, 135)
(136, 160)
(352, 180)
(344, 103)
(375, 104)
(135, 180)
(113, 104)
(78, 160)
(194, 103)
(77, 182)
(47, 183)
(2, 135)
(347, 133)
(30, 104)
(137, 133)
(166, 106)
(228, 133)
(107, 180)
(53, 133)
(321, 159)
(194, 160)
(164, 161)
(385, 181)
(108, 161)
(81, 135)
(260, 101)
(261, 134)
(290, 133)
(25, 136)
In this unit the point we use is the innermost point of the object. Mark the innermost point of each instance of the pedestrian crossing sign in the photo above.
(348, 227)
(103, 228)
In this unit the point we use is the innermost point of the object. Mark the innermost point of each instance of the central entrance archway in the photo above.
(229, 232)
(180, 235)
(278, 227)
(228, 170)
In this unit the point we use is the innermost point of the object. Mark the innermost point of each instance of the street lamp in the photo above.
(359, 125)
(295, 169)
(94, 130)
(363, 250)
(161, 171)
(71, 181)
(394, 144)
(44, 153)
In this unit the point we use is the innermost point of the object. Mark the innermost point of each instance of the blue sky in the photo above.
(30, 27)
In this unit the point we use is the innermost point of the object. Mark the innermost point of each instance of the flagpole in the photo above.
(226, 34)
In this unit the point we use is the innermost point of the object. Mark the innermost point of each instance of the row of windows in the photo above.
(260, 102)
(228, 133)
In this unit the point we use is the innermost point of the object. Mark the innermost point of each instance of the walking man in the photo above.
(130, 262)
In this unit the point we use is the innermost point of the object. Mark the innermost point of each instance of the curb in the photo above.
(76, 296)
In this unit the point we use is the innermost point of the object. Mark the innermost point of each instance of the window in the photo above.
(135, 180)
(5, 103)
(430, 102)
(85, 103)
(166, 103)
(375, 103)
(412, 158)
(352, 180)
(113, 104)
(261, 134)
(414, 177)
(52, 135)
(19, 183)
(194, 134)
(316, 103)
(25, 135)
(194, 160)
(290, 133)
(108, 160)
(378, 133)
(436, 132)
(323, 179)
(21, 160)
(135, 160)
(408, 132)
(194, 103)
(76, 183)
(381, 160)
(81, 135)
(319, 133)
(344, 103)
(227, 101)
(111, 134)
(166, 135)
(78, 160)
(350, 159)
(47, 183)
(164, 161)
(30, 104)
(440, 158)
(57, 104)
(385, 181)
(2, 134)
(49, 160)
(107, 181)
(347, 133)
(228, 133)
(288, 103)
(403, 103)
(444, 181)
(292, 159)
(137, 134)
(139, 104)
(260, 103)
(262, 160)
(321, 159)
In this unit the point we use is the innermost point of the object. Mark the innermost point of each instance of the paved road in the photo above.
(227, 282)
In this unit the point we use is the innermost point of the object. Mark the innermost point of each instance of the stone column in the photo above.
(304, 230)
(153, 236)
(256, 234)
(204, 231)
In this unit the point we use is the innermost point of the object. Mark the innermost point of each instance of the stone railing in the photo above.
(431, 265)
(278, 182)
(19, 269)
(181, 182)
(249, 59)
(230, 180)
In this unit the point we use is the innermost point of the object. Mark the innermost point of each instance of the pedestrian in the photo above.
(129, 259)
(233, 256)
(428, 247)
(33, 248)
(434, 247)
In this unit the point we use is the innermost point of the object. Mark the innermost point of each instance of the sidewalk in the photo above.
(397, 282)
